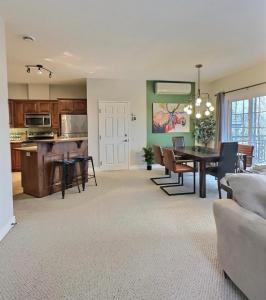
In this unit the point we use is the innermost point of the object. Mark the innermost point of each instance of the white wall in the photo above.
(18, 91)
(45, 91)
(133, 91)
(249, 76)
(68, 91)
(6, 199)
(38, 91)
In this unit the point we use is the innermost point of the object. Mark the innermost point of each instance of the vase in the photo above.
(149, 167)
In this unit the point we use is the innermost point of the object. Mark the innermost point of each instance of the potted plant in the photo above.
(148, 156)
(204, 131)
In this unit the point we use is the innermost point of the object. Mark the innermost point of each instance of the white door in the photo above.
(113, 135)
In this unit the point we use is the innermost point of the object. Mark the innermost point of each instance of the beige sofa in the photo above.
(241, 238)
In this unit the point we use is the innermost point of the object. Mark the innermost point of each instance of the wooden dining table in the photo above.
(203, 156)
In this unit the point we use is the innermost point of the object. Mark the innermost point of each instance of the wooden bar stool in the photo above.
(66, 165)
(83, 160)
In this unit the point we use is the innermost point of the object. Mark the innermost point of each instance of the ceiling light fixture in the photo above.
(198, 102)
(40, 69)
(28, 38)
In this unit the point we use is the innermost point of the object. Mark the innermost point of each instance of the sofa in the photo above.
(241, 234)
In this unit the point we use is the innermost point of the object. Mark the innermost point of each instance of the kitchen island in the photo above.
(37, 163)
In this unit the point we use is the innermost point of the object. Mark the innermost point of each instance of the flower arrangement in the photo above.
(204, 131)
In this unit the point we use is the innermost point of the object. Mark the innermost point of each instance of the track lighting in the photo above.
(40, 69)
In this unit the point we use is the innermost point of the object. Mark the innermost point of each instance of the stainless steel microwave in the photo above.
(37, 120)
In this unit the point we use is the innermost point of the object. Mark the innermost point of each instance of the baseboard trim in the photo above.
(137, 167)
(10, 224)
(132, 167)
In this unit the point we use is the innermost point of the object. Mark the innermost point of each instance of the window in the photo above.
(248, 124)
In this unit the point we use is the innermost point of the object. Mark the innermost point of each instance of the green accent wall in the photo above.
(165, 139)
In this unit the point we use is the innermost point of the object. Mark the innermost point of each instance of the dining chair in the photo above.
(179, 167)
(158, 158)
(248, 151)
(226, 163)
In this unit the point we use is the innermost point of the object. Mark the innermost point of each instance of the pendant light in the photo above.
(209, 108)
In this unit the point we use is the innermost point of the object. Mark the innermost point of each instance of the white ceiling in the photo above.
(145, 39)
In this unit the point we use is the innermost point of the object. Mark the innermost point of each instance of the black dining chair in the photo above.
(226, 164)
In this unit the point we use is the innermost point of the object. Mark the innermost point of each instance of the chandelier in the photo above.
(199, 107)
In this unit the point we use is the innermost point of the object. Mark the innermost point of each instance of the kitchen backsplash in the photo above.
(17, 134)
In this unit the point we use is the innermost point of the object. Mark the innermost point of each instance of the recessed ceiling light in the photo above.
(49, 59)
(28, 38)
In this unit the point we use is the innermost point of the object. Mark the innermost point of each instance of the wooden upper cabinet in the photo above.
(11, 113)
(18, 108)
(65, 106)
(55, 114)
(80, 106)
(30, 107)
(44, 107)
(18, 114)
(72, 106)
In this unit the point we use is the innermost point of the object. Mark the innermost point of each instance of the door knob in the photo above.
(125, 140)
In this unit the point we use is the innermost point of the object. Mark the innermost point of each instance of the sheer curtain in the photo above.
(221, 119)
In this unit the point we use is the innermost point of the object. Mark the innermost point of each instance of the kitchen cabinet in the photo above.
(11, 113)
(17, 109)
(80, 106)
(30, 107)
(55, 114)
(44, 107)
(65, 106)
(18, 114)
(72, 106)
(15, 157)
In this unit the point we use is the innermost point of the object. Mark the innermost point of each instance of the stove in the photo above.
(33, 136)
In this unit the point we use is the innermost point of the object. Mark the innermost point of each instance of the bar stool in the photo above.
(65, 165)
(84, 171)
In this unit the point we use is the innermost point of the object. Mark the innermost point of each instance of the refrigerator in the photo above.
(73, 125)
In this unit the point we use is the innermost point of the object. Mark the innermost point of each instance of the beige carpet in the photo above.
(123, 240)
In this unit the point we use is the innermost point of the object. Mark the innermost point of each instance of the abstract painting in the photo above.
(169, 117)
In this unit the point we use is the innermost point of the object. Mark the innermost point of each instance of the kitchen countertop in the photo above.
(62, 140)
(28, 149)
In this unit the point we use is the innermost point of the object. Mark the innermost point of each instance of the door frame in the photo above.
(129, 137)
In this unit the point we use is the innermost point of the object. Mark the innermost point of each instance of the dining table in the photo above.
(203, 156)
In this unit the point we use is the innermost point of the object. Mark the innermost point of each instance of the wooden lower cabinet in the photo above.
(15, 157)
(38, 177)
